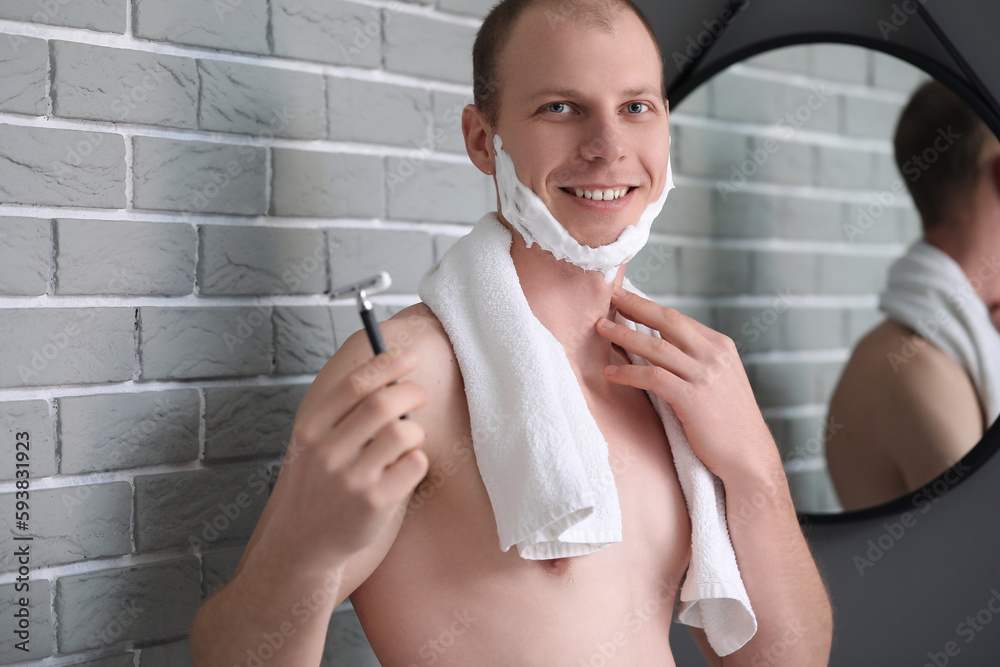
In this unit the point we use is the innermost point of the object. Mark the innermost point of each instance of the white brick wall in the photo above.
(180, 183)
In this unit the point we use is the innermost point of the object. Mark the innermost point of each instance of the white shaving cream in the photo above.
(529, 215)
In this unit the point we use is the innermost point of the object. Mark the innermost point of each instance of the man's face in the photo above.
(580, 110)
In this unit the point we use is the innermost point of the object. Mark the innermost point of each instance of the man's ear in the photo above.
(478, 139)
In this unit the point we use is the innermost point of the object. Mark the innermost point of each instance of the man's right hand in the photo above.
(351, 461)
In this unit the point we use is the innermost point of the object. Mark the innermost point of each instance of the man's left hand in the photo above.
(698, 371)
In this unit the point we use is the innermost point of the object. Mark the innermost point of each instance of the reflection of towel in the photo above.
(929, 293)
(542, 457)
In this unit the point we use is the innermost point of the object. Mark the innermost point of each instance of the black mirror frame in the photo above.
(976, 95)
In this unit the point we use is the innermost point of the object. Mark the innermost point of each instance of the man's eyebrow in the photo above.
(572, 93)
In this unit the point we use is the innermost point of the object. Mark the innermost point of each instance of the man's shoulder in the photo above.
(418, 328)
(415, 327)
(894, 370)
(894, 354)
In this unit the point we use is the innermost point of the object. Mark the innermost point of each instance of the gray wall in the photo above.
(180, 183)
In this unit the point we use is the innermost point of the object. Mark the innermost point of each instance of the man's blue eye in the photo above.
(637, 107)
(557, 107)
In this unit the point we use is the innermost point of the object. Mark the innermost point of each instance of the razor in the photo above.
(362, 289)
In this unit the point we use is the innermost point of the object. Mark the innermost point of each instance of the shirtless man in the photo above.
(580, 95)
(907, 410)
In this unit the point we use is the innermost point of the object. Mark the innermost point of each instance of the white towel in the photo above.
(928, 292)
(542, 457)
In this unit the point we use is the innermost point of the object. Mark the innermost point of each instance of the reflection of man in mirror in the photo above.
(400, 515)
(921, 388)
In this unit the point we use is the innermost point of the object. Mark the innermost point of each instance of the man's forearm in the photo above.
(794, 617)
(270, 613)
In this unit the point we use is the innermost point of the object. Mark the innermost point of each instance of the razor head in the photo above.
(373, 285)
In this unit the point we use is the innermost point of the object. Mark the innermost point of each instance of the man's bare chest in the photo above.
(446, 558)
(453, 498)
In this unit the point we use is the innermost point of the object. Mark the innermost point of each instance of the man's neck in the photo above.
(973, 244)
(568, 301)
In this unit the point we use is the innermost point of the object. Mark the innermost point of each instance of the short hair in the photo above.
(938, 178)
(496, 28)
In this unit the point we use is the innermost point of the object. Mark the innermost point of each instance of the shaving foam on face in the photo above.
(529, 215)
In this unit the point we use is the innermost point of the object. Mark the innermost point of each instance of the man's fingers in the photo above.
(653, 378)
(656, 350)
(403, 476)
(682, 331)
(331, 397)
(390, 447)
(365, 380)
(374, 412)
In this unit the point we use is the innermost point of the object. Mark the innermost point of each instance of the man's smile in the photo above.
(610, 198)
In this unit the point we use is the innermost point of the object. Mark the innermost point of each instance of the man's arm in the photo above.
(794, 615)
(698, 371)
(350, 469)
(791, 603)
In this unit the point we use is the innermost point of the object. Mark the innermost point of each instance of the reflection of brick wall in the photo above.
(181, 180)
(779, 245)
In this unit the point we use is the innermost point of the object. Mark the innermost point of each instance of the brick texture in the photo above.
(25, 245)
(139, 258)
(65, 345)
(125, 86)
(24, 64)
(99, 15)
(61, 167)
(109, 431)
(221, 25)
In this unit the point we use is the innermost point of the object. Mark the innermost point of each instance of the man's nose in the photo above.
(603, 141)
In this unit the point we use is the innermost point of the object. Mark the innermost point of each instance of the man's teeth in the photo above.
(601, 195)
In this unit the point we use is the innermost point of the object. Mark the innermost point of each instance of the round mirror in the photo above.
(790, 215)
